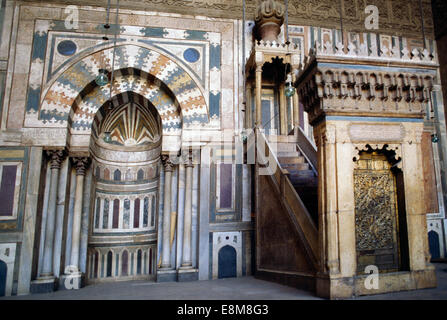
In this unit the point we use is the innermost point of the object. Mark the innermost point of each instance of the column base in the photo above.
(185, 274)
(166, 275)
(44, 285)
(187, 266)
(72, 281)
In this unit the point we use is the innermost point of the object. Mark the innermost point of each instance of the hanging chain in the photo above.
(114, 48)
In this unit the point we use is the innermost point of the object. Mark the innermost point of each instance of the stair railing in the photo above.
(298, 213)
(307, 149)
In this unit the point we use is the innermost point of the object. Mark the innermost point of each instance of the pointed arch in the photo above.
(227, 261)
(138, 69)
(124, 263)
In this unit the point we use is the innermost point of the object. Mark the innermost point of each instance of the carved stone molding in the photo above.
(81, 164)
(328, 134)
(395, 148)
(56, 158)
(414, 135)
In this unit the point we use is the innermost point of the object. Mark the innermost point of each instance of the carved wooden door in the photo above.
(376, 214)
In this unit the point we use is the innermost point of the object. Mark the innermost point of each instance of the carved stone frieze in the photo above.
(397, 17)
(326, 90)
(380, 132)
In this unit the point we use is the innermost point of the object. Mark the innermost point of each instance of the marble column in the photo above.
(56, 158)
(80, 164)
(327, 184)
(296, 106)
(24, 283)
(204, 214)
(166, 249)
(258, 122)
(248, 106)
(187, 247)
(282, 130)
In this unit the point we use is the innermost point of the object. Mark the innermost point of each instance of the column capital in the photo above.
(56, 158)
(167, 163)
(328, 134)
(81, 164)
(188, 159)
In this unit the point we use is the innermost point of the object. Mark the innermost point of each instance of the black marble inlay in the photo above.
(66, 48)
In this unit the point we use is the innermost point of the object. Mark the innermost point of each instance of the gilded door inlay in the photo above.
(376, 214)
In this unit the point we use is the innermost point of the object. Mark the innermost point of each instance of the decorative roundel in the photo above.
(66, 47)
(191, 55)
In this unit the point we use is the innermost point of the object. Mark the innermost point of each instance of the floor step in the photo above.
(290, 154)
(308, 190)
(303, 180)
(286, 147)
(281, 138)
(302, 173)
(291, 160)
(305, 184)
(295, 166)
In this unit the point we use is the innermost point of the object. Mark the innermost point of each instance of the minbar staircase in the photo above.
(287, 210)
(301, 174)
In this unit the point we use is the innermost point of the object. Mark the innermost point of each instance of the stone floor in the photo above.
(246, 288)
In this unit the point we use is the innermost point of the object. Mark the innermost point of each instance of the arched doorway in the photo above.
(227, 262)
(433, 241)
(3, 275)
